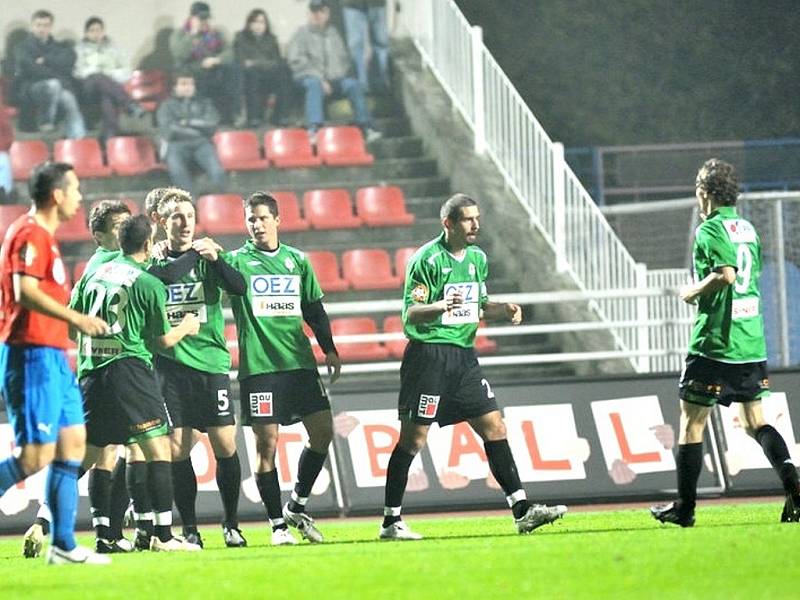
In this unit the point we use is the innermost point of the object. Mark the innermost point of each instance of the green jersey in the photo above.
(269, 317)
(132, 302)
(432, 274)
(729, 326)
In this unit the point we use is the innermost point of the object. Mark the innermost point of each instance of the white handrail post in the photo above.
(642, 316)
(478, 96)
(780, 285)
(559, 207)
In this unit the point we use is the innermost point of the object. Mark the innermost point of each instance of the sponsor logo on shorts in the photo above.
(428, 405)
(707, 389)
(764, 384)
(44, 428)
(146, 426)
(261, 404)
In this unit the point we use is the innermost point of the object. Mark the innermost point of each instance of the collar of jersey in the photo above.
(256, 250)
(723, 211)
(443, 244)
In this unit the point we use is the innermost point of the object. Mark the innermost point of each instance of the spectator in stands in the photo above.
(263, 69)
(102, 71)
(6, 139)
(200, 48)
(367, 19)
(187, 123)
(43, 77)
(321, 65)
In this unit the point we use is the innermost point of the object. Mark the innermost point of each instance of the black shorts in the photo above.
(707, 382)
(194, 398)
(285, 397)
(122, 403)
(442, 383)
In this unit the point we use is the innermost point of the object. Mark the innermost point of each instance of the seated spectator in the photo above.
(6, 139)
(187, 124)
(102, 71)
(321, 65)
(367, 19)
(263, 69)
(43, 77)
(200, 48)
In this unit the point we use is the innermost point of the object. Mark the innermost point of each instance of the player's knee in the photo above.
(34, 458)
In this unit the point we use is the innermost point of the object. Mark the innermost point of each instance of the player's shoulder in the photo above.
(428, 252)
(26, 229)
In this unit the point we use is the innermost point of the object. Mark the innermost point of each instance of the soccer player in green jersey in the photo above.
(727, 359)
(278, 379)
(194, 372)
(121, 397)
(444, 298)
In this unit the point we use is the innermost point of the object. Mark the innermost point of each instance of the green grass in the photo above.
(737, 551)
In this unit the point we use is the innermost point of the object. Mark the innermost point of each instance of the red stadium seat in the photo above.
(84, 154)
(358, 351)
(26, 154)
(221, 214)
(483, 344)
(326, 267)
(330, 209)
(382, 206)
(342, 147)
(401, 256)
(288, 148)
(10, 213)
(289, 212)
(74, 230)
(233, 344)
(369, 270)
(148, 87)
(131, 155)
(239, 151)
(394, 324)
(78, 269)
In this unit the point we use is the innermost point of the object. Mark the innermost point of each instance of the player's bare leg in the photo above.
(229, 480)
(269, 489)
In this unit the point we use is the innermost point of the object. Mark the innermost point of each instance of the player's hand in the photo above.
(688, 293)
(664, 434)
(334, 364)
(454, 300)
(160, 250)
(191, 323)
(514, 313)
(207, 249)
(91, 326)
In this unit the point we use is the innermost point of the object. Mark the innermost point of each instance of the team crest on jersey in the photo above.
(289, 264)
(428, 405)
(59, 274)
(28, 254)
(472, 270)
(419, 293)
(261, 404)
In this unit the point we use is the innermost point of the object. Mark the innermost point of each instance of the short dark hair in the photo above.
(101, 213)
(46, 178)
(451, 209)
(717, 178)
(133, 234)
(264, 198)
(93, 21)
(42, 14)
(317, 5)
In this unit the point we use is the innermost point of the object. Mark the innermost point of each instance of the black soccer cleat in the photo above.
(193, 537)
(103, 546)
(671, 513)
(791, 510)
(233, 537)
(142, 540)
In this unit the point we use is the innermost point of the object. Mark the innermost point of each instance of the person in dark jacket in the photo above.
(263, 69)
(43, 77)
(187, 123)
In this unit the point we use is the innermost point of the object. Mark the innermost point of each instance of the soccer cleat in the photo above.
(120, 546)
(33, 541)
(233, 537)
(174, 544)
(283, 537)
(671, 513)
(398, 531)
(193, 537)
(79, 555)
(538, 515)
(791, 510)
(142, 540)
(303, 523)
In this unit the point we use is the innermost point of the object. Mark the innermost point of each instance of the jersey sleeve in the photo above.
(419, 283)
(311, 291)
(716, 246)
(156, 321)
(484, 273)
(31, 254)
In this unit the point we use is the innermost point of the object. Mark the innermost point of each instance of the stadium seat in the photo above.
(369, 269)
(326, 267)
(358, 351)
(483, 344)
(84, 154)
(233, 344)
(288, 148)
(289, 212)
(221, 214)
(10, 213)
(394, 324)
(132, 155)
(239, 151)
(26, 154)
(74, 230)
(401, 256)
(148, 87)
(342, 147)
(382, 206)
(330, 209)
(78, 269)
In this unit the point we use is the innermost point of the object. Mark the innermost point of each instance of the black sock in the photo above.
(119, 500)
(159, 479)
(689, 463)
(100, 500)
(777, 453)
(136, 480)
(504, 469)
(185, 482)
(396, 482)
(307, 472)
(229, 480)
(270, 490)
(44, 524)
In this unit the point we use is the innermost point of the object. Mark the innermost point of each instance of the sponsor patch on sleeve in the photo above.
(419, 293)
(28, 254)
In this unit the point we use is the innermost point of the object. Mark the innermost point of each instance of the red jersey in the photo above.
(29, 249)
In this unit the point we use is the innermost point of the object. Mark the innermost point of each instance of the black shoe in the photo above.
(791, 510)
(102, 546)
(671, 513)
(233, 537)
(193, 537)
(142, 540)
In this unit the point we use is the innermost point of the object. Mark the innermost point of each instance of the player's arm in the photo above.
(231, 280)
(28, 293)
(425, 313)
(172, 272)
(719, 279)
(502, 311)
(190, 325)
(314, 314)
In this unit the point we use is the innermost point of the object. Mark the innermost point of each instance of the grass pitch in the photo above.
(734, 551)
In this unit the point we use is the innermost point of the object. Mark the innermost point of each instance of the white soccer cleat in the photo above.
(398, 531)
(538, 515)
(174, 544)
(33, 541)
(304, 524)
(283, 537)
(79, 555)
